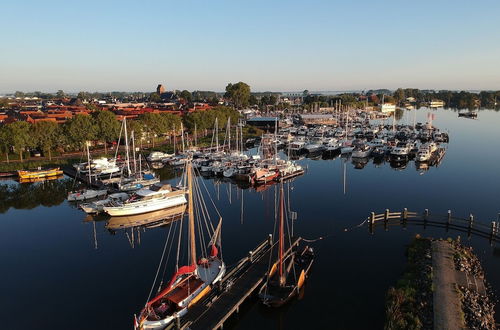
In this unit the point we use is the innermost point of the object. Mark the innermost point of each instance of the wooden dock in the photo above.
(236, 286)
(72, 173)
(490, 231)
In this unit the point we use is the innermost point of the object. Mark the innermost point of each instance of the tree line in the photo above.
(101, 126)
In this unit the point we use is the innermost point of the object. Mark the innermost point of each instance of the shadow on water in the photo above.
(31, 195)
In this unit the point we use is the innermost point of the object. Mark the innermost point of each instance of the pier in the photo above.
(233, 290)
(72, 173)
(470, 226)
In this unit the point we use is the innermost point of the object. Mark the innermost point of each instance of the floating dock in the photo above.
(233, 290)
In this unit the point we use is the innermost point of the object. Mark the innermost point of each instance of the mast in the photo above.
(88, 162)
(282, 234)
(216, 134)
(133, 152)
(192, 242)
(182, 137)
(229, 134)
(127, 157)
(175, 140)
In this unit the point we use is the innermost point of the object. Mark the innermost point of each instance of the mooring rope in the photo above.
(330, 235)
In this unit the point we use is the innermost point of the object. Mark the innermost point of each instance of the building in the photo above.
(436, 104)
(160, 89)
(317, 119)
(387, 107)
(265, 123)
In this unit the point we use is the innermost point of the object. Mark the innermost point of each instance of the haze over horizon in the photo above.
(278, 46)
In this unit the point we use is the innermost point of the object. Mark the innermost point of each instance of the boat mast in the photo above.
(282, 234)
(182, 137)
(192, 243)
(127, 157)
(88, 162)
(216, 134)
(229, 134)
(133, 152)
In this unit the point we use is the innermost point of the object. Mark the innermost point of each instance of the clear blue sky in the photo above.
(271, 45)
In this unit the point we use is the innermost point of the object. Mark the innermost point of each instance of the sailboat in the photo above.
(287, 276)
(85, 194)
(191, 282)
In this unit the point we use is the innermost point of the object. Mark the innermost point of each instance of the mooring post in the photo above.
(250, 256)
(405, 214)
(471, 220)
(270, 239)
(386, 215)
(493, 228)
(449, 217)
(372, 218)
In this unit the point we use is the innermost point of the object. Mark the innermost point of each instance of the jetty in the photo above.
(233, 290)
(490, 231)
(73, 173)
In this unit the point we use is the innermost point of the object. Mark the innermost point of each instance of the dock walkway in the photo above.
(236, 286)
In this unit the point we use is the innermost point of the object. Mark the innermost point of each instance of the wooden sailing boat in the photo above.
(190, 282)
(288, 274)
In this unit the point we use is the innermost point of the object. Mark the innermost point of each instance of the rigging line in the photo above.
(179, 244)
(168, 254)
(290, 242)
(210, 197)
(271, 252)
(159, 265)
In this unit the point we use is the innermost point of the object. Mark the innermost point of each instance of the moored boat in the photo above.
(36, 174)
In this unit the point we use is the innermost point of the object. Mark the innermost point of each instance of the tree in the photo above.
(154, 97)
(107, 127)
(20, 138)
(80, 129)
(153, 124)
(45, 135)
(186, 95)
(5, 141)
(253, 100)
(60, 94)
(238, 93)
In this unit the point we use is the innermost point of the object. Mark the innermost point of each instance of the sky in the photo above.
(271, 45)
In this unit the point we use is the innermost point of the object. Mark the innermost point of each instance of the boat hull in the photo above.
(145, 206)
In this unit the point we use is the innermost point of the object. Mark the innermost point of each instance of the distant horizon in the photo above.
(324, 92)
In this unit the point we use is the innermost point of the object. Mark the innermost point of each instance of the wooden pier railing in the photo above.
(469, 225)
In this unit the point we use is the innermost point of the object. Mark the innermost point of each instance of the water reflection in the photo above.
(30, 195)
(146, 220)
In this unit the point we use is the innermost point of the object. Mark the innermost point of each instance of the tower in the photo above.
(160, 89)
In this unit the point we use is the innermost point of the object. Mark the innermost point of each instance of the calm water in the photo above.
(53, 276)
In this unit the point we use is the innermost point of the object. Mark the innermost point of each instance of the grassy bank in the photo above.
(409, 302)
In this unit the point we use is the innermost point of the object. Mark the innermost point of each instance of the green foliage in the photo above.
(60, 94)
(238, 93)
(46, 135)
(92, 107)
(154, 97)
(206, 119)
(107, 127)
(79, 129)
(19, 136)
(186, 95)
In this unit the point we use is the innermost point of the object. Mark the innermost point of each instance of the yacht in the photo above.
(159, 196)
(400, 151)
(98, 206)
(362, 151)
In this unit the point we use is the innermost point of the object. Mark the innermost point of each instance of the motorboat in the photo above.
(86, 194)
(98, 206)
